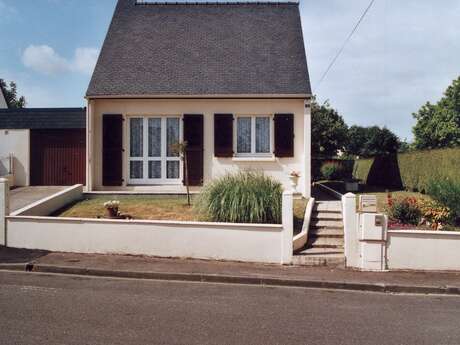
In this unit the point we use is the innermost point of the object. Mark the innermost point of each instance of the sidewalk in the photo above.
(228, 272)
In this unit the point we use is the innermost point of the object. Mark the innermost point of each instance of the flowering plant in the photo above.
(112, 204)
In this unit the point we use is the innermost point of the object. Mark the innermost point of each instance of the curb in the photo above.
(234, 279)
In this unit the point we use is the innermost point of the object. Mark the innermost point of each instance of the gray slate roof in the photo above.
(42, 118)
(202, 49)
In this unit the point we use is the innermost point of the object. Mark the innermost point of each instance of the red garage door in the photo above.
(57, 157)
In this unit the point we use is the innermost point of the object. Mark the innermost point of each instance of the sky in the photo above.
(404, 54)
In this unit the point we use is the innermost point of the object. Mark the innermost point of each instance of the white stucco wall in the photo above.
(31, 228)
(423, 250)
(3, 104)
(16, 141)
(279, 168)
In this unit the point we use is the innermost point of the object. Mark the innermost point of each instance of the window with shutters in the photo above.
(253, 135)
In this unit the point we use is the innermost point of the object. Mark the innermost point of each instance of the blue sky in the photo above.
(404, 54)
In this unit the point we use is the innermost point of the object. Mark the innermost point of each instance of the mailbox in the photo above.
(372, 227)
(368, 203)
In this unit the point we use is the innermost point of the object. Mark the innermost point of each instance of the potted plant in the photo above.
(294, 177)
(111, 208)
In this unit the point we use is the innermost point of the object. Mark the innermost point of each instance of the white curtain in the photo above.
(154, 169)
(154, 137)
(243, 144)
(172, 169)
(172, 134)
(262, 135)
(136, 169)
(136, 137)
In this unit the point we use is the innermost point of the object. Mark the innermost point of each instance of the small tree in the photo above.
(438, 125)
(328, 130)
(181, 149)
(371, 141)
(11, 95)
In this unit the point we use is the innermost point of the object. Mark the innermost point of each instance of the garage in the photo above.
(57, 157)
(47, 146)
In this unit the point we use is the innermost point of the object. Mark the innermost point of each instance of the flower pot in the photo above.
(294, 181)
(111, 212)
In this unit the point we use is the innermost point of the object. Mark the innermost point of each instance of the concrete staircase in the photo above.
(325, 237)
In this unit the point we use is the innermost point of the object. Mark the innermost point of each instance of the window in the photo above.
(253, 135)
(152, 158)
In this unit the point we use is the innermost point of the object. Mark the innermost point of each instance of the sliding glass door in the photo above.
(153, 158)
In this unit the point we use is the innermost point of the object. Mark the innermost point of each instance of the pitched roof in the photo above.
(42, 118)
(202, 49)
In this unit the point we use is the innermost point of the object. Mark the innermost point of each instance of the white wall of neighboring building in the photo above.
(279, 168)
(3, 104)
(16, 142)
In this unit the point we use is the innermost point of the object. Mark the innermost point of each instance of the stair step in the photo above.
(324, 207)
(314, 228)
(332, 252)
(326, 216)
(326, 223)
(320, 257)
(325, 242)
(325, 232)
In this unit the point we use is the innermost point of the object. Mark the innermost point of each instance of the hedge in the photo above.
(411, 171)
(316, 164)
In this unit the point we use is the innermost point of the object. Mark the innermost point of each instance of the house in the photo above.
(42, 146)
(230, 79)
(3, 102)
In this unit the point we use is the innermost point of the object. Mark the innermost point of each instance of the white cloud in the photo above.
(85, 60)
(44, 59)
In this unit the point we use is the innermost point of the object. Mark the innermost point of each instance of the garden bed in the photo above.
(152, 208)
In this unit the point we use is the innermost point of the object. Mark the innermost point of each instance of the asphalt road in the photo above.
(54, 309)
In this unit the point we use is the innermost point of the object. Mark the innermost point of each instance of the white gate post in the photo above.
(4, 209)
(288, 227)
(351, 229)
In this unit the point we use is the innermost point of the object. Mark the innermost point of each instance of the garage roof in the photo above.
(42, 118)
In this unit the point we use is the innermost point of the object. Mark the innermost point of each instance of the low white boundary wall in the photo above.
(423, 250)
(30, 228)
(372, 247)
(52, 203)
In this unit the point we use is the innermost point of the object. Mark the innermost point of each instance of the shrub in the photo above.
(446, 192)
(405, 211)
(332, 171)
(434, 214)
(416, 169)
(243, 197)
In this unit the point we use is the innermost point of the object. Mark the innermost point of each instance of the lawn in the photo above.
(137, 207)
(153, 208)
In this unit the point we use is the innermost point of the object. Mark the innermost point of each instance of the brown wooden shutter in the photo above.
(223, 135)
(112, 150)
(284, 135)
(193, 135)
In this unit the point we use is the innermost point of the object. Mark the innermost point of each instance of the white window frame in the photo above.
(145, 180)
(253, 152)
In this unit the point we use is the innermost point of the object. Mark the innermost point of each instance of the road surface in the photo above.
(57, 309)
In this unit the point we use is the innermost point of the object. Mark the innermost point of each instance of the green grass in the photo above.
(138, 207)
(154, 208)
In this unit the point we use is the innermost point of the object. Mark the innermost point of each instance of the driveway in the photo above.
(23, 196)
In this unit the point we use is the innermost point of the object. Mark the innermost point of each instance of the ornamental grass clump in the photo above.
(243, 197)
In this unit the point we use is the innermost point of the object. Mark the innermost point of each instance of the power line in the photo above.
(345, 43)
